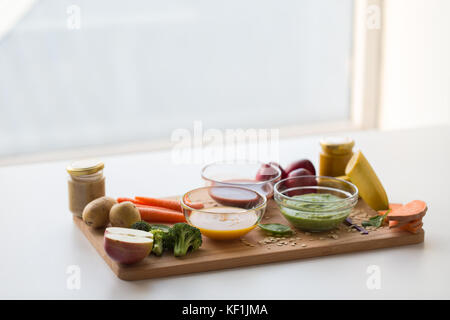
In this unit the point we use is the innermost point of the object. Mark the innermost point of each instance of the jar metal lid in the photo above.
(85, 167)
(337, 145)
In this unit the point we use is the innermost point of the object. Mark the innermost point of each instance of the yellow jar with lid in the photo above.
(86, 183)
(336, 152)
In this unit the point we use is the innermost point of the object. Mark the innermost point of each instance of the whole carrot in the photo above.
(123, 199)
(155, 214)
(164, 203)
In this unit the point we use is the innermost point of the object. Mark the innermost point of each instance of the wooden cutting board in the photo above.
(252, 249)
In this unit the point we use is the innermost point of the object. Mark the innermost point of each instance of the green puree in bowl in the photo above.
(315, 211)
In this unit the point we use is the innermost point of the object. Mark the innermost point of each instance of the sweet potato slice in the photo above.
(415, 223)
(413, 229)
(392, 206)
(411, 211)
(397, 224)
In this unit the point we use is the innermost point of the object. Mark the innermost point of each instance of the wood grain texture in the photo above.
(215, 255)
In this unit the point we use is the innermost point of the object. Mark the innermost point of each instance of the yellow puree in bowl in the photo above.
(227, 223)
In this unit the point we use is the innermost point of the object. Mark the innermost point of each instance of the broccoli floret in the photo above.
(167, 238)
(141, 225)
(185, 237)
(158, 242)
(161, 227)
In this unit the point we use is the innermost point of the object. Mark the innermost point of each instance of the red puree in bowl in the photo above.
(234, 197)
(261, 187)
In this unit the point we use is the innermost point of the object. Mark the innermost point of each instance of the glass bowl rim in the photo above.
(240, 162)
(351, 197)
(187, 207)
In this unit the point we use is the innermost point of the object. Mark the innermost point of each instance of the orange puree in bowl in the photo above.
(223, 223)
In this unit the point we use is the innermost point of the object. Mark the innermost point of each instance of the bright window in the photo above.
(137, 70)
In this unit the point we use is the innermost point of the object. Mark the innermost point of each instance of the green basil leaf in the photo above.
(375, 221)
(276, 229)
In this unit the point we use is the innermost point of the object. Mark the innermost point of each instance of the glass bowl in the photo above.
(223, 212)
(315, 203)
(242, 174)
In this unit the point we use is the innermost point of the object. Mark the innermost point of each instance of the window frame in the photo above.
(367, 66)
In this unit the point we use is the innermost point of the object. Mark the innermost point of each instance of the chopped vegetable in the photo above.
(161, 237)
(167, 238)
(185, 237)
(349, 222)
(411, 211)
(166, 235)
(164, 203)
(376, 221)
(155, 214)
(161, 227)
(397, 224)
(141, 225)
(413, 226)
(364, 177)
(403, 216)
(123, 199)
(158, 241)
(392, 206)
(412, 229)
(276, 229)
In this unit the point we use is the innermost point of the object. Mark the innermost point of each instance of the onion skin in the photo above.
(294, 183)
(283, 172)
(304, 163)
(266, 172)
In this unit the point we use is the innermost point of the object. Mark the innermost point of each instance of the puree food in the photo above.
(235, 197)
(264, 188)
(86, 183)
(315, 211)
(224, 222)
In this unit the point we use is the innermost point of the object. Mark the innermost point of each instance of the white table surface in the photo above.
(39, 240)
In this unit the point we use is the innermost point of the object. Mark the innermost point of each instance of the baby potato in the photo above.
(96, 212)
(124, 215)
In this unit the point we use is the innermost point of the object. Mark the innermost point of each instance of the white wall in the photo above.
(11, 11)
(416, 64)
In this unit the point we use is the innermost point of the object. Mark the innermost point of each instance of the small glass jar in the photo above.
(336, 152)
(86, 183)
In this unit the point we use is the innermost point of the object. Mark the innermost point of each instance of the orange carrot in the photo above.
(164, 203)
(155, 214)
(411, 211)
(123, 199)
(392, 206)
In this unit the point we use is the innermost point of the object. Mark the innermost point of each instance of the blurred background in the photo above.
(102, 76)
